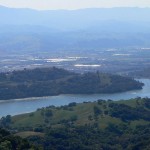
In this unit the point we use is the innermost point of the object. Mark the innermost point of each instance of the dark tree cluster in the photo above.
(10, 142)
(92, 138)
(128, 113)
(53, 81)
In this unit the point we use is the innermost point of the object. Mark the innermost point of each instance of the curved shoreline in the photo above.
(43, 97)
(27, 105)
(23, 99)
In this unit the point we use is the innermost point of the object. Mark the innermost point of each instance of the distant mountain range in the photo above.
(27, 29)
(78, 19)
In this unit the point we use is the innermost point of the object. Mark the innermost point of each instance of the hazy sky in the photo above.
(74, 4)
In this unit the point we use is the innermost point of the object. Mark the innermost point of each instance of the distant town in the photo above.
(121, 61)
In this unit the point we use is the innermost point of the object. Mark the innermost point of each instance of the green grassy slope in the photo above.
(101, 124)
(101, 112)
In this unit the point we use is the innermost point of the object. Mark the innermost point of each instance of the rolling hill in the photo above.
(53, 81)
(100, 124)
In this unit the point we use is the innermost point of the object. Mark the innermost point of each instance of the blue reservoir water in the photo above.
(14, 107)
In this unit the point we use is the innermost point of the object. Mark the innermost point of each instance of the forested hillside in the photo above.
(121, 125)
(53, 81)
(11, 142)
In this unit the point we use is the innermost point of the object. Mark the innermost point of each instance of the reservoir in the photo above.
(14, 107)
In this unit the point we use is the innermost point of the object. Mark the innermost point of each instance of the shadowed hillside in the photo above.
(53, 81)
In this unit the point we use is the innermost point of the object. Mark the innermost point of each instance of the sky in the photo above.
(73, 4)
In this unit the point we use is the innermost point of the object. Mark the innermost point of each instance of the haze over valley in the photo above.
(78, 40)
(76, 79)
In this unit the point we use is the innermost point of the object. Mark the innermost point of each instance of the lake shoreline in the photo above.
(28, 105)
(23, 99)
(45, 97)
